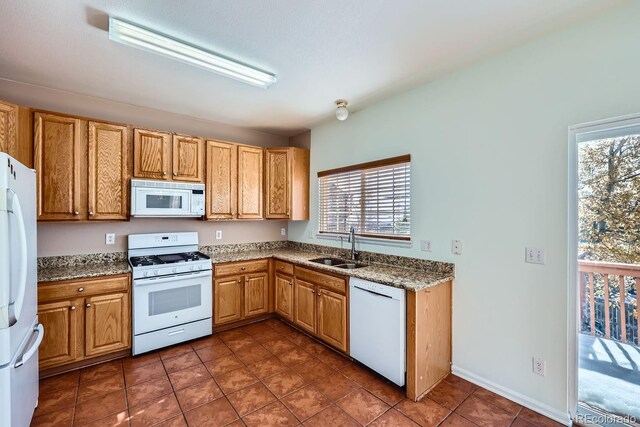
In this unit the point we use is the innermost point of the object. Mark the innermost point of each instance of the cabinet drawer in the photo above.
(330, 282)
(241, 267)
(78, 288)
(284, 267)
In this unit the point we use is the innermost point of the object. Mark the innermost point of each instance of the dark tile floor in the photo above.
(264, 374)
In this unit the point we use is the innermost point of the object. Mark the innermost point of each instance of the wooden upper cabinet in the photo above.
(151, 154)
(107, 324)
(108, 171)
(227, 299)
(332, 318)
(250, 183)
(305, 305)
(277, 200)
(8, 127)
(61, 162)
(221, 180)
(256, 294)
(287, 183)
(60, 321)
(284, 296)
(188, 158)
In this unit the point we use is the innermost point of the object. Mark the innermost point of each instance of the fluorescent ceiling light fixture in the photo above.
(142, 38)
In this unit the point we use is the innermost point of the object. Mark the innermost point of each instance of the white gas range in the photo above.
(172, 287)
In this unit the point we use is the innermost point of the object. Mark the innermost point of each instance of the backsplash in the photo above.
(367, 257)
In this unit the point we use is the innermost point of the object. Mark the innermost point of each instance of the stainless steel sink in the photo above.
(328, 261)
(350, 265)
(337, 262)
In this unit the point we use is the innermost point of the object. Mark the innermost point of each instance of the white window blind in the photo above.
(374, 198)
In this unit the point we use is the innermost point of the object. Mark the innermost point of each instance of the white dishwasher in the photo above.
(378, 328)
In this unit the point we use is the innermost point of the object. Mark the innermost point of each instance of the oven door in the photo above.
(168, 301)
(161, 202)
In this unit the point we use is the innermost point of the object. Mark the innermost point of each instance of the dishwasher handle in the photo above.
(372, 292)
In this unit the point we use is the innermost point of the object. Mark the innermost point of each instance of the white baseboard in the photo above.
(519, 398)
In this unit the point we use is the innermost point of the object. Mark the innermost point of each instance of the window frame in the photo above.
(362, 167)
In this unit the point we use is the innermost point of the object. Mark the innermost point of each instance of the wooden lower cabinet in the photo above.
(319, 310)
(284, 296)
(60, 344)
(256, 294)
(106, 324)
(240, 291)
(83, 319)
(227, 305)
(332, 319)
(305, 305)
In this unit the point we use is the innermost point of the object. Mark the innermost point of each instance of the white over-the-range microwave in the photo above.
(166, 199)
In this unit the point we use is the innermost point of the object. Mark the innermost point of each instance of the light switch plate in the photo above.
(425, 245)
(456, 247)
(218, 234)
(110, 239)
(534, 256)
(283, 231)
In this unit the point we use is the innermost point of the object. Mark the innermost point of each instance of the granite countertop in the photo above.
(401, 272)
(69, 272)
(398, 277)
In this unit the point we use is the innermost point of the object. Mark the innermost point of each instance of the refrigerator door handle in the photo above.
(16, 306)
(34, 348)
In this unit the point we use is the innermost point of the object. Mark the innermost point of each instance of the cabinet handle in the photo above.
(163, 173)
(313, 292)
(239, 280)
(72, 308)
(76, 213)
(90, 213)
(282, 267)
(290, 283)
(80, 289)
(175, 174)
(88, 305)
(246, 280)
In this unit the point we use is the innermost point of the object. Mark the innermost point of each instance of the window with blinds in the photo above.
(374, 198)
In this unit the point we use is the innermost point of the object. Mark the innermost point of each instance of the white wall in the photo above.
(490, 167)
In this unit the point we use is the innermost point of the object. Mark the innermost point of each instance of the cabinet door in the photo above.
(284, 296)
(151, 154)
(277, 184)
(221, 181)
(60, 163)
(305, 305)
(107, 324)
(256, 294)
(108, 171)
(227, 299)
(250, 184)
(60, 342)
(8, 127)
(188, 158)
(332, 318)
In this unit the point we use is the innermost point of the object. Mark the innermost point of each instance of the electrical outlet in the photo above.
(538, 366)
(311, 234)
(218, 234)
(456, 247)
(534, 256)
(110, 239)
(425, 245)
(283, 231)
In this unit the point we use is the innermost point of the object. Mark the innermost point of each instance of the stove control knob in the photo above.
(145, 274)
(174, 269)
(155, 272)
(192, 268)
(199, 267)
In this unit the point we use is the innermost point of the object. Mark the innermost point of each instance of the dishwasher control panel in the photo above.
(377, 288)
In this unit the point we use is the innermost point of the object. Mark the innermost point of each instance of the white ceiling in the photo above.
(360, 50)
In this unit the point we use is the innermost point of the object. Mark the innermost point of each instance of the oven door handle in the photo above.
(173, 277)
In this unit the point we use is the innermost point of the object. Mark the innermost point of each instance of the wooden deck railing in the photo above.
(589, 272)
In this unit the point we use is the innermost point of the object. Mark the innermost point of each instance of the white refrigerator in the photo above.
(20, 332)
